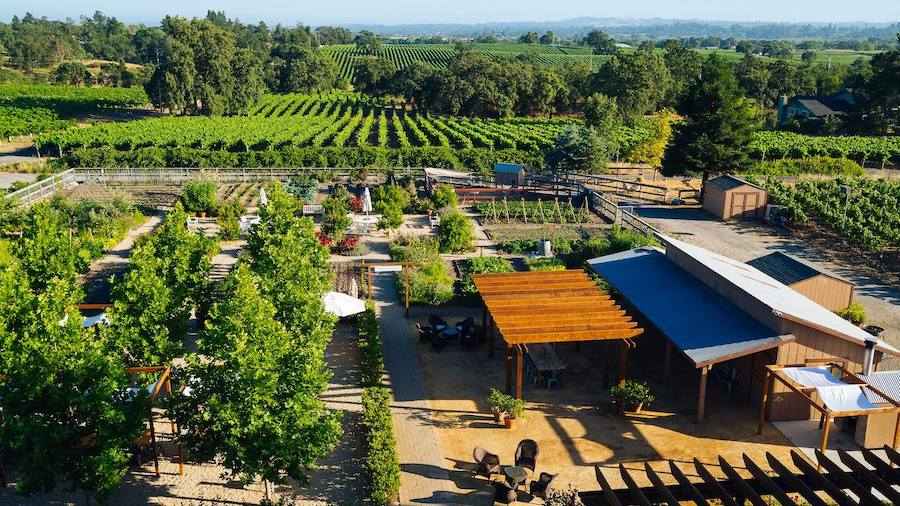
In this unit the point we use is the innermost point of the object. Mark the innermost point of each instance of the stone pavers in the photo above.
(424, 478)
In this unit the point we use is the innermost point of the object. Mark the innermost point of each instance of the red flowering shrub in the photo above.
(349, 243)
(356, 204)
(324, 240)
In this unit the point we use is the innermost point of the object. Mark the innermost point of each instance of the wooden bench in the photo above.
(309, 209)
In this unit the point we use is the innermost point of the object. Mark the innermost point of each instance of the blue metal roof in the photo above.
(507, 168)
(707, 327)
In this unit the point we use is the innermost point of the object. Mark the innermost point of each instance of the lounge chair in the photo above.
(504, 493)
(539, 487)
(527, 453)
(486, 462)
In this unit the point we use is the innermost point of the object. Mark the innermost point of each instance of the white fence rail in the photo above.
(43, 189)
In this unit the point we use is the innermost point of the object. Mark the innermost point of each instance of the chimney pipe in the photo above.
(869, 357)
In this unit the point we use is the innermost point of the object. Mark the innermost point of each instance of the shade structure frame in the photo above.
(568, 304)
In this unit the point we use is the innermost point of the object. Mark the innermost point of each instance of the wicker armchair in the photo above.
(486, 463)
(504, 493)
(539, 487)
(425, 333)
(527, 454)
(437, 323)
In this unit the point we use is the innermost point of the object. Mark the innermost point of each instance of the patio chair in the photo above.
(538, 488)
(504, 493)
(486, 463)
(425, 333)
(527, 454)
(437, 323)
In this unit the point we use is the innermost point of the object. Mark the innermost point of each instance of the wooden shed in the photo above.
(509, 174)
(730, 197)
(820, 285)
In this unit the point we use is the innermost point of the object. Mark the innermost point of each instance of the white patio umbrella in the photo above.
(354, 288)
(263, 200)
(366, 201)
(342, 305)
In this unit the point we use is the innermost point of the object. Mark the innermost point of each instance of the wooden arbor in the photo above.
(550, 307)
(847, 377)
(163, 381)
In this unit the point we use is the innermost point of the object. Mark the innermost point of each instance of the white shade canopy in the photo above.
(263, 199)
(342, 305)
(366, 201)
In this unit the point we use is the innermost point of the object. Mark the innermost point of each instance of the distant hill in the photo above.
(647, 27)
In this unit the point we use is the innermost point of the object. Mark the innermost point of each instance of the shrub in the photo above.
(545, 264)
(519, 246)
(334, 217)
(855, 313)
(348, 245)
(480, 265)
(444, 197)
(324, 240)
(631, 393)
(616, 240)
(456, 233)
(429, 281)
(371, 362)
(303, 188)
(230, 220)
(391, 217)
(382, 461)
(559, 497)
(200, 196)
(389, 195)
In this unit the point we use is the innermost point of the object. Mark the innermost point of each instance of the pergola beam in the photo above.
(573, 337)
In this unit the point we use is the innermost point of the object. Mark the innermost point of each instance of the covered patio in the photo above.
(538, 308)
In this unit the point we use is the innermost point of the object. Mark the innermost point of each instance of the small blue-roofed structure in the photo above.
(509, 174)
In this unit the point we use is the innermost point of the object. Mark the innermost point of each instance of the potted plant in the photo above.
(514, 409)
(630, 396)
(497, 400)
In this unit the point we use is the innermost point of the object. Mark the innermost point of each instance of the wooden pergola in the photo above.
(550, 307)
(827, 415)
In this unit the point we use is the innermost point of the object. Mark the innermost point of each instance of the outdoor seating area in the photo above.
(439, 334)
(511, 477)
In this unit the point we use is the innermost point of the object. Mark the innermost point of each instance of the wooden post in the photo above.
(153, 441)
(519, 372)
(406, 284)
(369, 272)
(897, 432)
(623, 362)
(667, 364)
(490, 335)
(509, 367)
(764, 400)
(701, 401)
(606, 365)
(825, 437)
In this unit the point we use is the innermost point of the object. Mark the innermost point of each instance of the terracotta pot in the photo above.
(203, 214)
(510, 422)
(636, 409)
(621, 409)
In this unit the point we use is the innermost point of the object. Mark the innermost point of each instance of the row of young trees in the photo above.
(255, 380)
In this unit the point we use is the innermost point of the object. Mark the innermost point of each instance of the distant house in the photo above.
(804, 107)
(730, 197)
(822, 286)
(509, 174)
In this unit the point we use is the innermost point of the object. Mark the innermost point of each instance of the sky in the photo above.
(317, 12)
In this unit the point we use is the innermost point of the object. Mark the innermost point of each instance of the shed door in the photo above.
(744, 205)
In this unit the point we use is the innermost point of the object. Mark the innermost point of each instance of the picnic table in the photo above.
(545, 358)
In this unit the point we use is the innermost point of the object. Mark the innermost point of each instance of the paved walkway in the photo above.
(423, 479)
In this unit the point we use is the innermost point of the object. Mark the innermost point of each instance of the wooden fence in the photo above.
(617, 215)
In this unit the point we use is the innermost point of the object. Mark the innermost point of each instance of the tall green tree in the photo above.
(684, 65)
(68, 415)
(375, 76)
(601, 42)
(639, 80)
(368, 43)
(249, 404)
(579, 150)
(717, 126)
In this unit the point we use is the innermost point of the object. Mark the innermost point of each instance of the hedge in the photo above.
(371, 362)
(382, 461)
(473, 159)
(813, 165)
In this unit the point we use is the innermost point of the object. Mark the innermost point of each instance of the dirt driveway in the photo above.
(748, 240)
